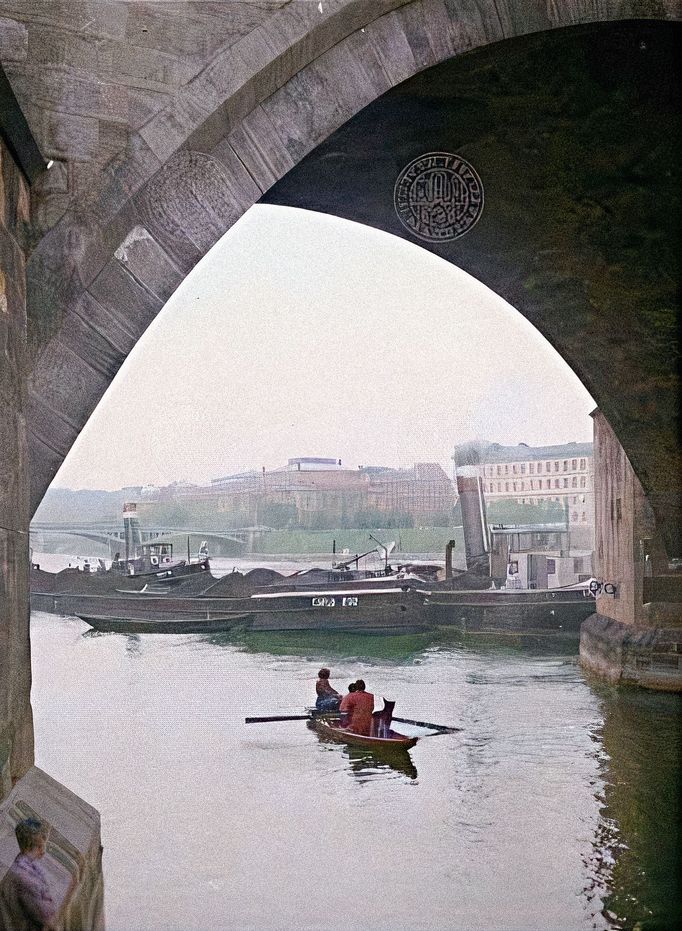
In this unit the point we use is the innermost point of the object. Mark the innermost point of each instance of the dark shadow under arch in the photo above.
(575, 134)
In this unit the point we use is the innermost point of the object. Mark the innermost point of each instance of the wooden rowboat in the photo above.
(332, 730)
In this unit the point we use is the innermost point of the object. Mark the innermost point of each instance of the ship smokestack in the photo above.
(131, 529)
(472, 502)
(474, 523)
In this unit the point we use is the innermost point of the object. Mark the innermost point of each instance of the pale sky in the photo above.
(301, 334)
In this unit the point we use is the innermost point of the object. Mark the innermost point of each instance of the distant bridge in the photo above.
(111, 534)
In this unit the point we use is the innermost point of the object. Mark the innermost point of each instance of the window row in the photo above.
(536, 484)
(532, 468)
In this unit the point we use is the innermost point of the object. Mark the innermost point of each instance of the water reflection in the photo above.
(330, 645)
(393, 648)
(368, 765)
(638, 849)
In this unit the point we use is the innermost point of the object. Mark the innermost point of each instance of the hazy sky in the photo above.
(300, 334)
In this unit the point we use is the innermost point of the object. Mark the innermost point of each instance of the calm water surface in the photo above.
(555, 807)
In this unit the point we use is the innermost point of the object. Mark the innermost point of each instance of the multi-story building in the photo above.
(424, 491)
(309, 489)
(529, 474)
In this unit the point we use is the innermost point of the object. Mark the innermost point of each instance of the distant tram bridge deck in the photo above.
(112, 535)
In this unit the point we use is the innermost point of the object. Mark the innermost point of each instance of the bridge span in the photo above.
(110, 534)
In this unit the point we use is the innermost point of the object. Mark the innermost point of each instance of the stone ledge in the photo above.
(74, 850)
(650, 657)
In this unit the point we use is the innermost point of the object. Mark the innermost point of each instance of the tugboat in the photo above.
(149, 566)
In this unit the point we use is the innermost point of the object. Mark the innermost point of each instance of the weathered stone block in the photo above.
(117, 290)
(414, 24)
(474, 23)
(241, 189)
(62, 376)
(159, 70)
(114, 330)
(16, 723)
(67, 136)
(124, 175)
(167, 132)
(260, 149)
(191, 201)
(320, 99)
(14, 465)
(74, 851)
(13, 40)
(63, 48)
(146, 261)
(82, 336)
(649, 657)
(46, 456)
(392, 48)
(60, 89)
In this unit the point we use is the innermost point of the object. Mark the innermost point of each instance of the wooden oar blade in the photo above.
(277, 717)
(441, 728)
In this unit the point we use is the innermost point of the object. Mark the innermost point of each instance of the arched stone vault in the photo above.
(257, 108)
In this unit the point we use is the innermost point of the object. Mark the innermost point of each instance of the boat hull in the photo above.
(395, 742)
(355, 608)
(516, 611)
(356, 611)
(122, 625)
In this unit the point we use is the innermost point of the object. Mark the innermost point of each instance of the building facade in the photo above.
(562, 474)
(309, 491)
(424, 492)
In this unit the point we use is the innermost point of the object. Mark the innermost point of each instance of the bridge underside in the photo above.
(575, 135)
(166, 125)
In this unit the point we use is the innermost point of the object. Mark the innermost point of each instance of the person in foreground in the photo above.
(25, 900)
(343, 707)
(360, 705)
(328, 699)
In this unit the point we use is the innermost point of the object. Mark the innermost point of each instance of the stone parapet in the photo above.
(646, 656)
(73, 860)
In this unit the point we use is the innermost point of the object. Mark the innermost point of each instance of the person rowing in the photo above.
(344, 707)
(360, 704)
(328, 699)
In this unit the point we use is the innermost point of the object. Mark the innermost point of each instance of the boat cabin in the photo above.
(148, 558)
(537, 556)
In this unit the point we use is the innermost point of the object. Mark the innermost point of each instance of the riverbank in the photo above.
(410, 542)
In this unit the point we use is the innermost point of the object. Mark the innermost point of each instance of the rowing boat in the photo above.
(332, 730)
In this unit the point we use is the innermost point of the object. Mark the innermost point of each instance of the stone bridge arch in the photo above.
(99, 276)
(145, 182)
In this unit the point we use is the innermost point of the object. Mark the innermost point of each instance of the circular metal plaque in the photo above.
(438, 196)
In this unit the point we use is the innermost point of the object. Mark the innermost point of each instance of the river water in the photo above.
(555, 807)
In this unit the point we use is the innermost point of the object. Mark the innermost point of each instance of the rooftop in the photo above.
(484, 451)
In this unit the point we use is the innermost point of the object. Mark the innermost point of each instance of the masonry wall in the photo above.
(628, 548)
(635, 636)
(16, 724)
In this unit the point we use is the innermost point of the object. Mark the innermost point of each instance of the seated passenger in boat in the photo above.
(328, 699)
(361, 705)
(343, 707)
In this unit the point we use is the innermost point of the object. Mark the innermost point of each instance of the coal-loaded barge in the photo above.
(139, 594)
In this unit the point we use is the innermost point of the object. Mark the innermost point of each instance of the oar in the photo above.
(277, 717)
(441, 728)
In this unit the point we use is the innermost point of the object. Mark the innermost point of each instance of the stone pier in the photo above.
(636, 635)
(74, 848)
